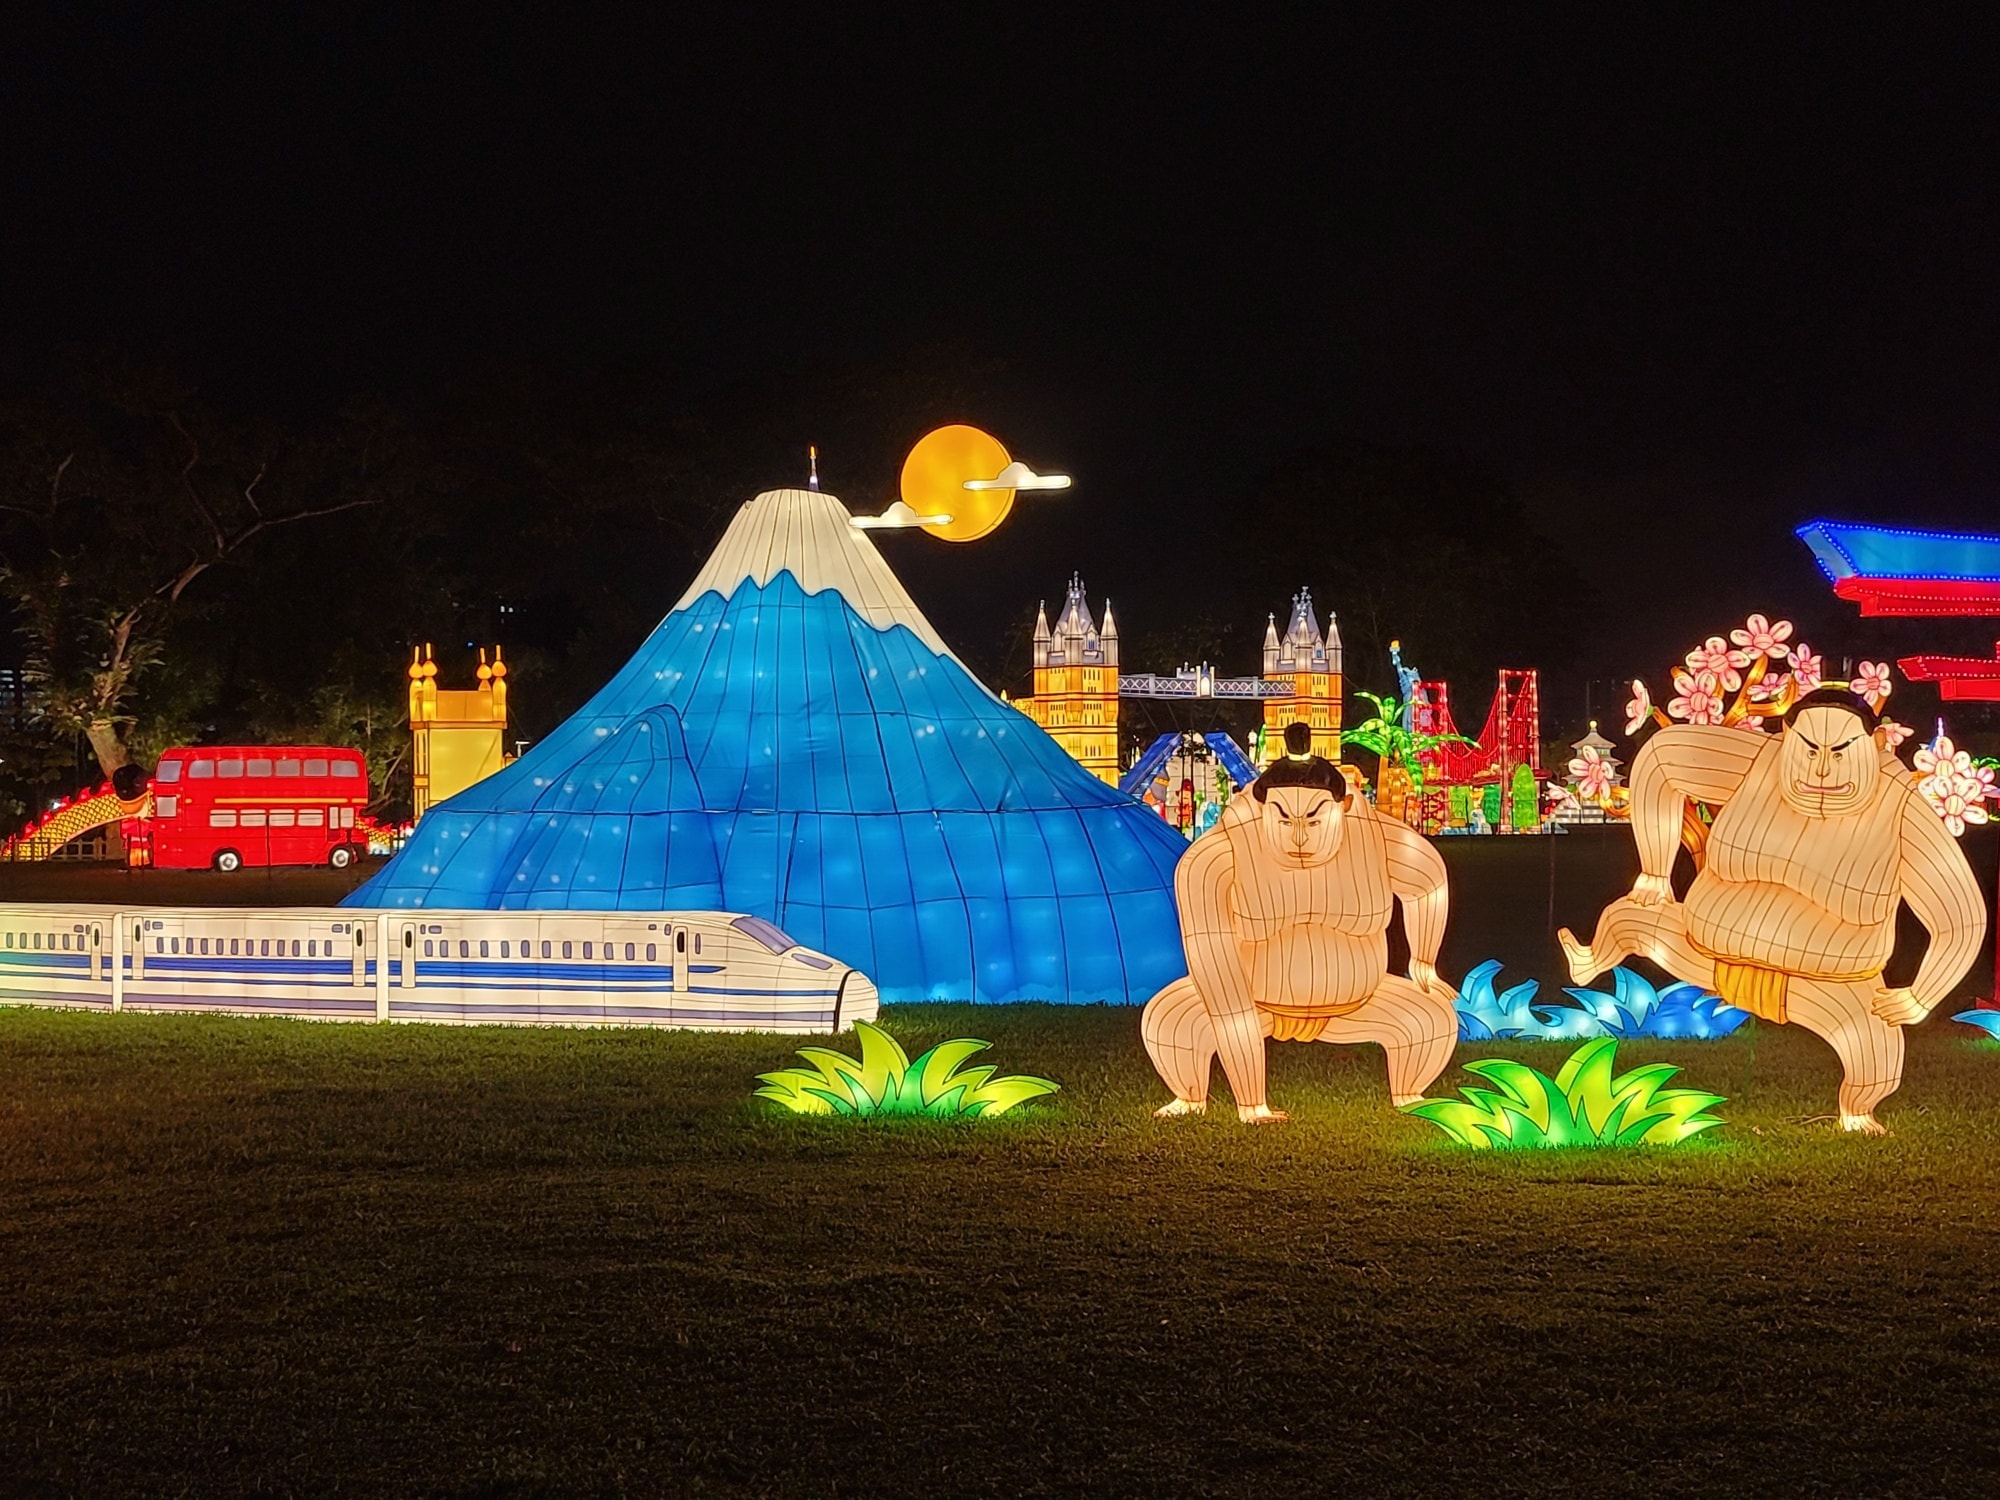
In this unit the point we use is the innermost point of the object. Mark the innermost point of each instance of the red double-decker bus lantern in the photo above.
(225, 807)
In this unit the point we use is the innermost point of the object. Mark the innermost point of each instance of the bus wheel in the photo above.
(342, 856)
(228, 861)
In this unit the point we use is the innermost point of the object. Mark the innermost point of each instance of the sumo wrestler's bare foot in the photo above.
(1581, 969)
(1180, 1109)
(1863, 1125)
(1404, 1101)
(1261, 1114)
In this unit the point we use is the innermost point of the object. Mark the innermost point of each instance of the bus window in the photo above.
(287, 767)
(312, 817)
(281, 817)
(222, 817)
(346, 770)
(257, 765)
(201, 770)
(233, 767)
(251, 817)
(167, 772)
(166, 807)
(316, 766)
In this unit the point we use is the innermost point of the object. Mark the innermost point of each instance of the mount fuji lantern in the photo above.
(795, 742)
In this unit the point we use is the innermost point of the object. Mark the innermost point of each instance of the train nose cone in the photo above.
(859, 1000)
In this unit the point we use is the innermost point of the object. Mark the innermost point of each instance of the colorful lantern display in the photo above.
(1284, 911)
(1818, 833)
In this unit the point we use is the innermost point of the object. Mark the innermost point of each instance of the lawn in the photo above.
(267, 1256)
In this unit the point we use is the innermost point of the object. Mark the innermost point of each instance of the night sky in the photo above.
(1685, 282)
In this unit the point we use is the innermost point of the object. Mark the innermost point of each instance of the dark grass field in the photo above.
(276, 1257)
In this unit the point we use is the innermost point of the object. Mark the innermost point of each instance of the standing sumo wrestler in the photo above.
(1285, 908)
(1821, 833)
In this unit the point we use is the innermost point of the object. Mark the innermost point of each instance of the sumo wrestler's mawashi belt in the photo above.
(1293, 1023)
(1758, 988)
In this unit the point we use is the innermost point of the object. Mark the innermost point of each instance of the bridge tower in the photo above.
(1076, 683)
(1309, 663)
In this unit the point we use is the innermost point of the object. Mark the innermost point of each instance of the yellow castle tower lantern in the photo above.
(458, 736)
(1076, 683)
(1309, 663)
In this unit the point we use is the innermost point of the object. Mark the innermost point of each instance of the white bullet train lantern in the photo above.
(714, 971)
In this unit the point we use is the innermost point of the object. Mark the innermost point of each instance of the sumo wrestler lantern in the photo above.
(1820, 833)
(1285, 908)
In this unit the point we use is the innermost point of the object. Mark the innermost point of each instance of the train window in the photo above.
(503, 948)
(222, 817)
(287, 767)
(316, 765)
(295, 947)
(528, 948)
(251, 817)
(464, 948)
(232, 947)
(629, 955)
(264, 948)
(204, 947)
(566, 948)
(167, 772)
(427, 947)
(176, 945)
(312, 948)
(586, 950)
(38, 940)
(764, 932)
(6, 939)
(257, 765)
(545, 947)
(159, 945)
(697, 944)
(312, 817)
(232, 767)
(281, 817)
(482, 949)
(652, 952)
(346, 769)
(65, 938)
(201, 770)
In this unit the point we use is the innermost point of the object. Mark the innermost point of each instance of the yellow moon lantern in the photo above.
(934, 477)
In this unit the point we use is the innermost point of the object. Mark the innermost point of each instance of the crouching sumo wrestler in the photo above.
(1284, 909)
(1792, 913)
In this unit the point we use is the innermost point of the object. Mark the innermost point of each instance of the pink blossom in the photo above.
(1714, 655)
(1893, 734)
(1760, 637)
(1871, 682)
(1698, 697)
(1593, 774)
(1639, 709)
(1808, 670)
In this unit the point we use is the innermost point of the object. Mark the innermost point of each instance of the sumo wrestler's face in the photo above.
(1303, 825)
(1828, 762)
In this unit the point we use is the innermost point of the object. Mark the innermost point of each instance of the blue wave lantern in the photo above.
(1634, 1009)
(1982, 1019)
